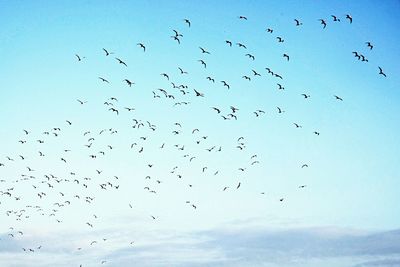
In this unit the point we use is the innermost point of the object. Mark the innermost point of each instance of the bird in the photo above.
(129, 82)
(298, 23)
(381, 71)
(335, 18)
(202, 62)
(107, 53)
(297, 125)
(234, 109)
(114, 110)
(237, 187)
(78, 57)
(198, 93)
(338, 98)
(241, 45)
(121, 62)
(228, 42)
(225, 84)
(210, 79)
(182, 72)
(269, 30)
(187, 22)
(323, 22)
(165, 75)
(204, 51)
(177, 34)
(250, 56)
(369, 45)
(305, 95)
(104, 80)
(81, 102)
(286, 56)
(256, 73)
(142, 46)
(280, 110)
(216, 109)
(280, 39)
(242, 17)
(176, 39)
(349, 18)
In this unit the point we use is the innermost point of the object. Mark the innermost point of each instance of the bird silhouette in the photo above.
(204, 51)
(121, 62)
(323, 22)
(129, 82)
(298, 23)
(349, 18)
(187, 22)
(369, 45)
(107, 53)
(104, 80)
(381, 72)
(142, 46)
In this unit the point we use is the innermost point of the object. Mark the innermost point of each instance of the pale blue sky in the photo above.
(353, 174)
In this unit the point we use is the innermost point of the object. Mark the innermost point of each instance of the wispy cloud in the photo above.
(322, 246)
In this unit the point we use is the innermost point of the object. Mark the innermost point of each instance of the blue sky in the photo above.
(352, 178)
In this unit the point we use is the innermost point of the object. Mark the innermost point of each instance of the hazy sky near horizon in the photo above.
(352, 179)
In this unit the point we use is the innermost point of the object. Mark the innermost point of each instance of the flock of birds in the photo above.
(75, 189)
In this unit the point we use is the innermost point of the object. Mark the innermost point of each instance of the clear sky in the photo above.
(350, 145)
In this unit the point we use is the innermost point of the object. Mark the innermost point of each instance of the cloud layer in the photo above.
(322, 246)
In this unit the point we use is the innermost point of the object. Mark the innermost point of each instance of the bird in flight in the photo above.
(78, 57)
(323, 22)
(81, 102)
(305, 95)
(286, 56)
(187, 22)
(104, 80)
(241, 45)
(228, 42)
(250, 56)
(369, 45)
(107, 53)
(298, 23)
(202, 62)
(338, 98)
(204, 51)
(297, 125)
(182, 72)
(177, 34)
(381, 72)
(121, 62)
(225, 84)
(198, 93)
(335, 18)
(176, 39)
(142, 46)
(242, 17)
(210, 79)
(129, 82)
(165, 75)
(349, 18)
